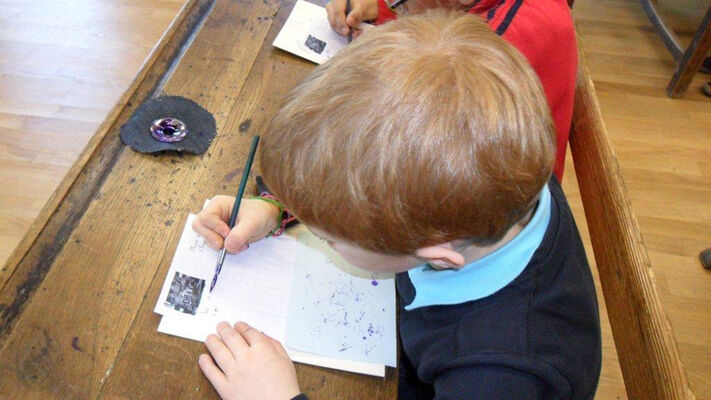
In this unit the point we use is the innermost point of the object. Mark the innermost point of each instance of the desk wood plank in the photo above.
(65, 342)
(34, 255)
(274, 73)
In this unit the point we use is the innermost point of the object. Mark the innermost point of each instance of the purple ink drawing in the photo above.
(341, 313)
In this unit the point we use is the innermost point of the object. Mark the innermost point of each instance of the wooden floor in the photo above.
(60, 77)
(664, 149)
(63, 64)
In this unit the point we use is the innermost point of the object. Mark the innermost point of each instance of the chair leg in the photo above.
(692, 59)
(706, 66)
(668, 37)
(705, 258)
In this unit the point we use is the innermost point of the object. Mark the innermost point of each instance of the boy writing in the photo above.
(426, 149)
(541, 30)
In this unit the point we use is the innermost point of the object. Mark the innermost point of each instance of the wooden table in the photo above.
(76, 297)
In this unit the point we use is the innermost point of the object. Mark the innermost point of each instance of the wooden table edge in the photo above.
(160, 50)
(29, 263)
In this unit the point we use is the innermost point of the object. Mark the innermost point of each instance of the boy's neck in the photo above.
(474, 252)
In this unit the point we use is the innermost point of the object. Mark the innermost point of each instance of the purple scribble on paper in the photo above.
(341, 317)
(344, 347)
(374, 276)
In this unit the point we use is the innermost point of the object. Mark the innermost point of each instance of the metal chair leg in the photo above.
(689, 61)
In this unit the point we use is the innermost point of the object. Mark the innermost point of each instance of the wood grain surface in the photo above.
(88, 330)
(645, 343)
(63, 66)
(663, 147)
(76, 311)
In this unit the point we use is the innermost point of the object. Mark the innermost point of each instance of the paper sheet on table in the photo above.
(337, 310)
(307, 34)
(254, 287)
(199, 329)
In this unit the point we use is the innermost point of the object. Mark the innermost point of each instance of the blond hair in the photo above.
(424, 130)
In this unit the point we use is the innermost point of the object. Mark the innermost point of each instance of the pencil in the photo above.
(235, 208)
(350, 30)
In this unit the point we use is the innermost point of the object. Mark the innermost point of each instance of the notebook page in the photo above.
(338, 310)
(198, 330)
(254, 286)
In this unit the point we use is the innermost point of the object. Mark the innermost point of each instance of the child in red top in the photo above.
(541, 30)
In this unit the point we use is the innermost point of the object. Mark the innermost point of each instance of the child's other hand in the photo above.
(256, 218)
(251, 365)
(361, 10)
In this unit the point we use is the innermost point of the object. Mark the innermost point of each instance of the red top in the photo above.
(543, 32)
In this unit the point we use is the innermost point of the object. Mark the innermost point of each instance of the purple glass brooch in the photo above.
(168, 130)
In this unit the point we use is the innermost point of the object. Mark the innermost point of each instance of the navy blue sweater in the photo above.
(537, 338)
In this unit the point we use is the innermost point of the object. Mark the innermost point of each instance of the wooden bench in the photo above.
(645, 343)
(76, 296)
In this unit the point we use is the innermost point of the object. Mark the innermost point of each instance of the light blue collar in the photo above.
(486, 275)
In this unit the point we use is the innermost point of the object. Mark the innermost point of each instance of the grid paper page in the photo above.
(254, 286)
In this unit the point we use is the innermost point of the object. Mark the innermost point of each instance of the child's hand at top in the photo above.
(361, 10)
(256, 218)
(251, 365)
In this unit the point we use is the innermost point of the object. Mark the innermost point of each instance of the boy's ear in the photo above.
(441, 256)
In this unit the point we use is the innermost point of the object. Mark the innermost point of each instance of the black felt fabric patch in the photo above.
(200, 124)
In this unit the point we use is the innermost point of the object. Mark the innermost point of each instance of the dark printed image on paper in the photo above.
(185, 293)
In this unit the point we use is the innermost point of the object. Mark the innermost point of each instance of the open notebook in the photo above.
(293, 288)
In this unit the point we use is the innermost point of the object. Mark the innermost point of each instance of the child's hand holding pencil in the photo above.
(255, 220)
(346, 22)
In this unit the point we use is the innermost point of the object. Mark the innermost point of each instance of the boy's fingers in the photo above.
(219, 351)
(330, 11)
(213, 222)
(235, 244)
(211, 238)
(241, 234)
(250, 335)
(356, 16)
(221, 206)
(234, 341)
(278, 347)
(339, 17)
(335, 11)
(343, 27)
(213, 374)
